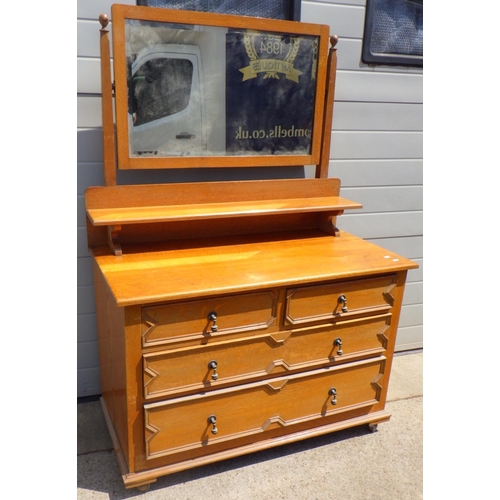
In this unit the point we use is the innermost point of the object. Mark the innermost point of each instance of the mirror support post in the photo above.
(108, 128)
(331, 71)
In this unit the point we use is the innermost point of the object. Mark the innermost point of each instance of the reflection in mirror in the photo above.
(213, 91)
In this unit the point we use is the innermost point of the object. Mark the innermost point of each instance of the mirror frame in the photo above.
(122, 13)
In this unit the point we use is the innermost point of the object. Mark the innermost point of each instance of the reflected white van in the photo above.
(167, 101)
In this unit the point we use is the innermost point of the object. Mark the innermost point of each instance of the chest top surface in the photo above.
(175, 270)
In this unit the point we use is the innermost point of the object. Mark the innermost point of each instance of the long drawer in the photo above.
(342, 299)
(241, 360)
(198, 319)
(199, 421)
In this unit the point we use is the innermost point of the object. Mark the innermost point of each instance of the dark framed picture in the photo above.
(274, 9)
(393, 33)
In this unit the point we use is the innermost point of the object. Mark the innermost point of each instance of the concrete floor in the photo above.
(354, 464)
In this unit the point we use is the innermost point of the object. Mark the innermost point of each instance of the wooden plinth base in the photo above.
(142, 479)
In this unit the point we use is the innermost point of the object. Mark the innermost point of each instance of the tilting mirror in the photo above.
(213, 93)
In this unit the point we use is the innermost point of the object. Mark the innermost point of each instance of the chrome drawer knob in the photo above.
(212, 420)
(338, 343)
(333, 392)
(343, 300)
(213, 366)
(212, 316)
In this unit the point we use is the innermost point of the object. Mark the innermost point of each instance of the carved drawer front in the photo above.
(241, 360)
(198, 421)
(339, 300)
(211, 316)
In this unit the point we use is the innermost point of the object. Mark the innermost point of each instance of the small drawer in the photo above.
(242, 360)
(253, 411)
(200, 319)
(341, 299)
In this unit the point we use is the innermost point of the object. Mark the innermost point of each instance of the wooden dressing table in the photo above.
(232, 316)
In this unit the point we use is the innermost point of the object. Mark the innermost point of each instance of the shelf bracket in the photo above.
(327, 223)
(113, 242)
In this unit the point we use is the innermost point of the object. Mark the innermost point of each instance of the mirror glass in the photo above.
(208, 90)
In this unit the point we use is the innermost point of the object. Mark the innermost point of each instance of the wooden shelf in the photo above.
(166, 213)
(115, 210)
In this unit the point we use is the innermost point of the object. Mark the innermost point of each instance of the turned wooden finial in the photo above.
(104, 20)
(334, 39)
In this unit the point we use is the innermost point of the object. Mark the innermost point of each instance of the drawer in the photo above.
(339, 300)
(251, 411)
(242, 360)
(199, 319)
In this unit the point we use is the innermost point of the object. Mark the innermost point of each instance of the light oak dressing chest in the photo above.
(233, 316)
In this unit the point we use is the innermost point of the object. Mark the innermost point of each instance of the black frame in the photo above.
(394, 59)
(237, 7)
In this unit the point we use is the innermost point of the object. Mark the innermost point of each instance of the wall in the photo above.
(376, 152)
